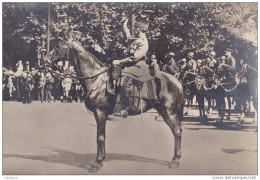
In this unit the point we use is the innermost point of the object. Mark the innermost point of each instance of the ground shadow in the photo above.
(225, 125)
(82, 160)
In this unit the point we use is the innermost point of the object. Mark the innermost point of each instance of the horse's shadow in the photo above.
(82, 160)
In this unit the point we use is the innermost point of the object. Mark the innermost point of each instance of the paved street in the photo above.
(59, 138)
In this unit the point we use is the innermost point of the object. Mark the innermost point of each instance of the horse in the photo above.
(225, 86)
(246, 90)
(189, 86)
(92, 73)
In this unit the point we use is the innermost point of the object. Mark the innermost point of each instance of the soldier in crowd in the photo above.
(29, 85)
(191, 64)
(183, 68)
(200, 68)
(212, 63)
(49, 86)
(230, 60)
(40, 87)
(171, 65)
(153, 65)
(57, 89)
(221, 60)
(23, 91)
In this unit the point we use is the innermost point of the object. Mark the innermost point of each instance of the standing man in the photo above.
(29, 87)
(41, 84)
(49, 86)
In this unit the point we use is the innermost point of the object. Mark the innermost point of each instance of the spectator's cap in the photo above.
(229, 50)
(171, 54)
(199, 61)
(27, 62)
(20, 61)
(153, 56)
(183, 60)
(222, 57)
(190, 54)
(33, 69)
(212, 53)
(142, 25)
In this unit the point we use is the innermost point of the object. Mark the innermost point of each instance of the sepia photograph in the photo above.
(130, 88)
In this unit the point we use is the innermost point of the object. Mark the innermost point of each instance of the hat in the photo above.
(222, 57)
(153, 56)
(229, 50)
(27, 62)
(199, 61)
(20, 61)
(171, 54)
(183, 60)
(212, 53)
(190, 54)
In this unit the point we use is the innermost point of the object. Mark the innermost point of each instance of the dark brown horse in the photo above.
(92, 73)
(246, 90)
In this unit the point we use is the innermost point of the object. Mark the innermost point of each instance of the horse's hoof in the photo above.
(95, 167)
(174, 165)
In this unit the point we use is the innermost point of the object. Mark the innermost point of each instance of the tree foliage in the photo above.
(177, 27)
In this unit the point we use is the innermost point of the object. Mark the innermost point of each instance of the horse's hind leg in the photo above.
(172, 120)
(100, 117)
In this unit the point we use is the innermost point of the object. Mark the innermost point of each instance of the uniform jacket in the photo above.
(192, 65)
(137, 50)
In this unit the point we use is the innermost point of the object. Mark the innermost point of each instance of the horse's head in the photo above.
(59, 53)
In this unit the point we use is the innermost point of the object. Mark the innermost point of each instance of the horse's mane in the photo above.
(96, 60)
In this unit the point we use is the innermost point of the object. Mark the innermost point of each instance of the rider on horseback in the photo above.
(136, 59)
(229, 67)
(138, 47)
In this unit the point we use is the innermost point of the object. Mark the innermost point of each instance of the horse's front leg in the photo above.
(100, 117)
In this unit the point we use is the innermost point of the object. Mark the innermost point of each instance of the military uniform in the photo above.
(192, 65)
(137, 50)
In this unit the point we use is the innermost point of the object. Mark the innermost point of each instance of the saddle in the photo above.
(132, 85)
(135, 80)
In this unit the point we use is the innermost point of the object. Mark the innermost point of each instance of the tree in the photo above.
(178, 27)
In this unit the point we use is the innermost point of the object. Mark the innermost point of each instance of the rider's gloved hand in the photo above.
(116, 62)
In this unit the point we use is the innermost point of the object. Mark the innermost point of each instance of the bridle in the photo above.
(66, 74)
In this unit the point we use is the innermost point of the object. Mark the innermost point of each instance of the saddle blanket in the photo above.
(140, 71)
(137, 89)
